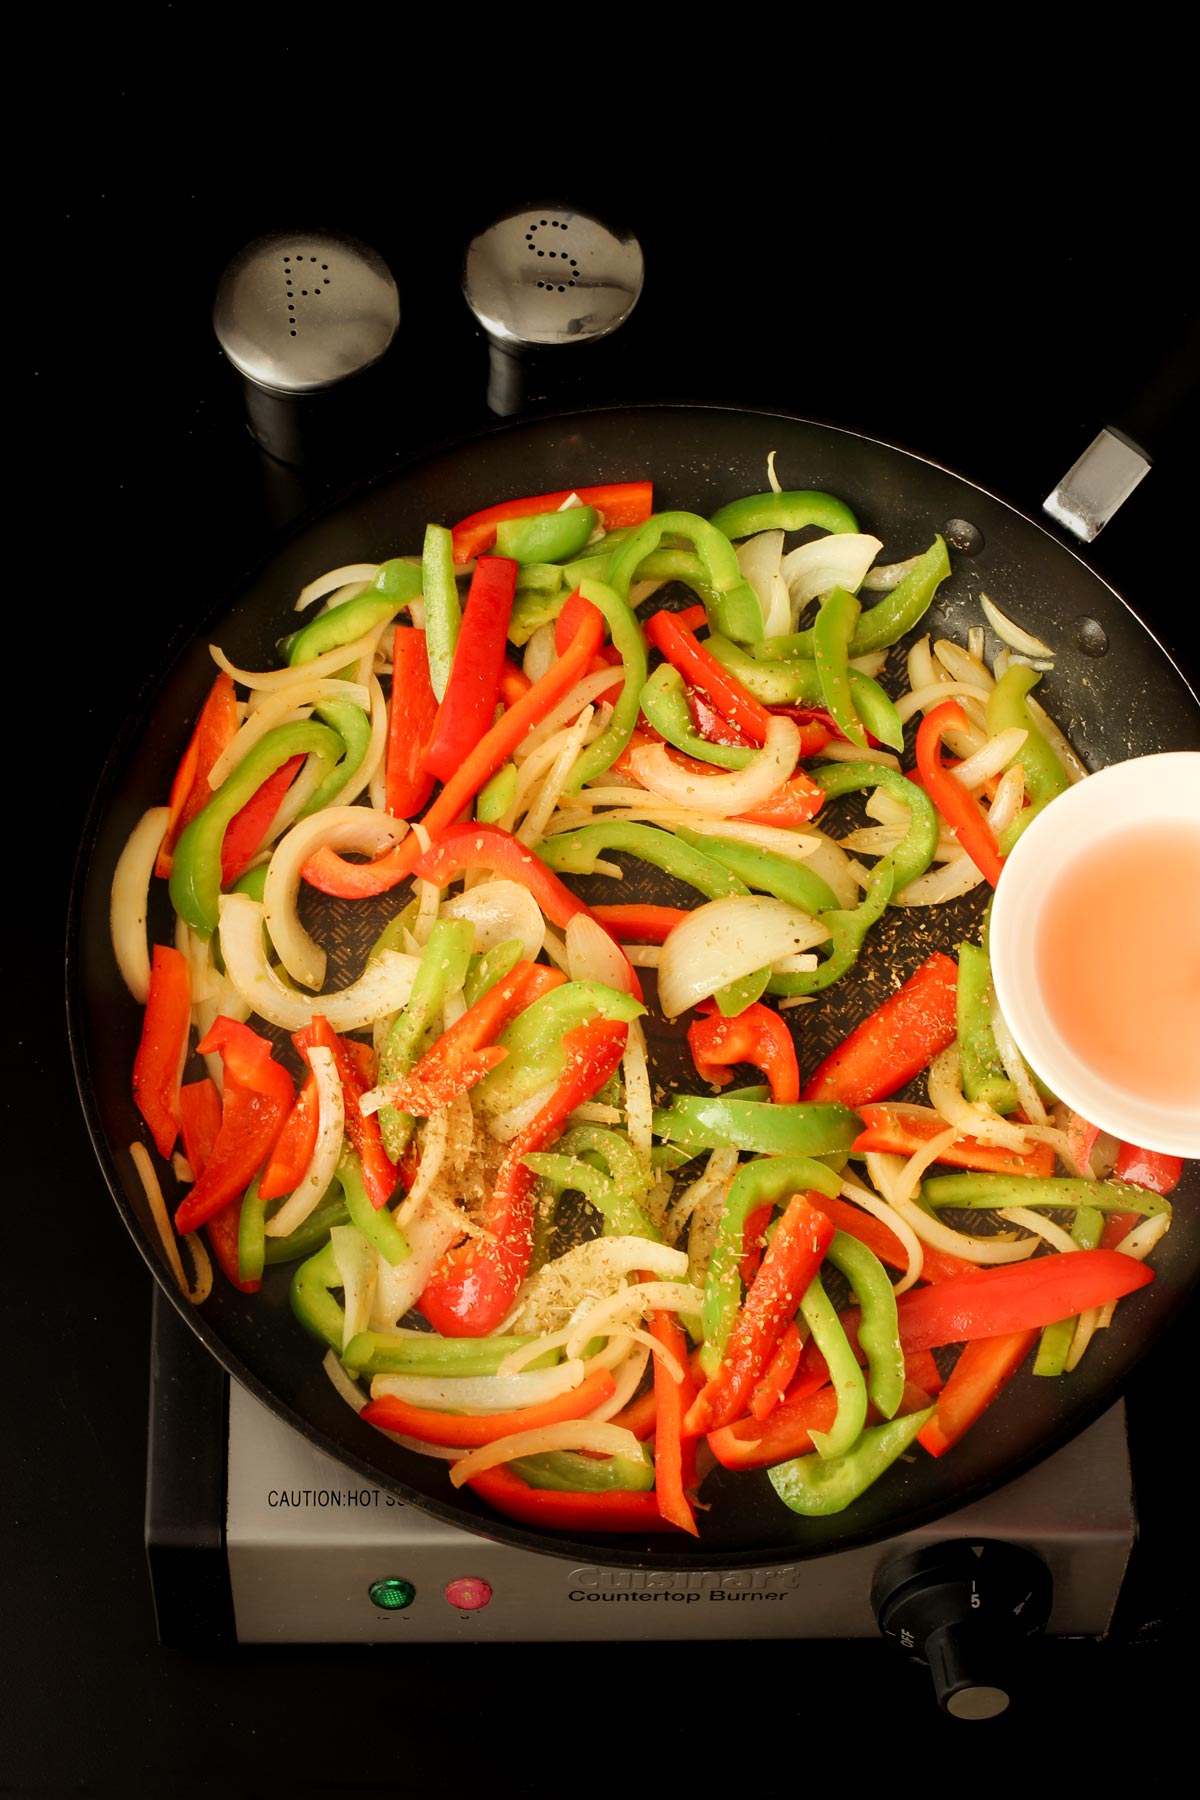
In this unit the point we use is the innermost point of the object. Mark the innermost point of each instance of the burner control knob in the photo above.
(964, 1608)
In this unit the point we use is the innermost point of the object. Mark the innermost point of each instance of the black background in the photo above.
(869, 244)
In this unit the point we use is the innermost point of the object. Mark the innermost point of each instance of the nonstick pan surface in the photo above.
(1114, 690)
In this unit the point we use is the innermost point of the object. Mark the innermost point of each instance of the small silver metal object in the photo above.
(545, 276)
(298, 313)
(1097, 484)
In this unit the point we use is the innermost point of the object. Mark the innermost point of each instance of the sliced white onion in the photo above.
(840, 559)
(1065, 751)
(885, 576)
(632, 1303)
(356, 1266)
(700, 1207)
(1010, 797)
(586, 689)
(384, 986)
(272, 679)
(1011, 634)
(772, 477)
(197, 1291)
(963, 665)
(936, 886)
(348, 1388)
(900, 1227)
(628, 1378)
(725, 939)
(828, 860)
(930, 694)
(885, 1171)
(573, 1434)
(797, 846)
(995, 755)
(374, 756)
(970, 1118)
(322, 1166)
(740, 790)
(540, 653)
(639, 1104)
(482, 1393)
(592, 1269)
(350, 573)
(499, 911)
(343, 828)
(129, 900)
(504, 1126)
(976, 638)
(1029, 1220)
(759, 559)
(573, 739)
(398, 1286)
(1017, 1069)
(592, 955)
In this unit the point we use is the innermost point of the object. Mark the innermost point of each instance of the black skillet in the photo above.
(1125, 701)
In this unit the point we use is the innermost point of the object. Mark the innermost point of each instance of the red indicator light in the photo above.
(469, 1593)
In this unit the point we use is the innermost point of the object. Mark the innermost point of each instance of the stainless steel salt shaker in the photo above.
(299, 314)
(541, 278)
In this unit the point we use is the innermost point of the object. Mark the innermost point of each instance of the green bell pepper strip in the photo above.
(443, 967)
(312, 1301)
(982, 1071)
(879, 1327)
(443, 608)
(1054, 1345)
(816, 1486)
(798, 683)
(252, 1237)
(768, 1181)
(312, 1232)
(799, 1128)
(615, 1152)
(847, 934)
(551, 537)
(916, 849)
(378, 1227)
(569, 1471)
(1035, 1190)
(832, 633)
(195, 884)
(766, 871)
(492, 966)
(534, 1039)
(531, 611)
(880, 625)
(577, 852)
(544, 580)
(424, 1353)
(829, 1335)
(736, 996)
(351, 619)
(734, 609)
(497, 795)
(663, 701)
(622, 1215)
(784, 512)
(628, 640)
(1045, 777)
(354, 728)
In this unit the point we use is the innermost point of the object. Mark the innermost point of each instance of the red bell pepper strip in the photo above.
(257, 1098)
(1081, 1137)
(475, 846)
(294, 1146)
(412, 716)
(550, 1510)
(575, 612)
(1014, 1297)
(514, 683)
(795, 1254)
(984, 1367)
(758, 1036)
(473, 1286)
(904, 1134)
(469, 703)
(640, 924)
(333, 874)
(618, 503)
(199, 1121)
(814, 731)
(162, 1047)
(674, 1451)
(641, 1415)
(380, 1174)
(700, 669)
(773, 1384)
(895, 1042)
(468, 1049)
(190, 792)
(750, 1443)
(247, 829)
(937, 1265)
(1154, 1169)
(956, 804)
(469, 1430)
(222, 1232)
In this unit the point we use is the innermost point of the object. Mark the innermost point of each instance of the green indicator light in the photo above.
(392, 1594)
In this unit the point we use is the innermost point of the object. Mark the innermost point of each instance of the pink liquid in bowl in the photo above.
(1118, 960)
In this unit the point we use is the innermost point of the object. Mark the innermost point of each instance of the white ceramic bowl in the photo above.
(1146, 791)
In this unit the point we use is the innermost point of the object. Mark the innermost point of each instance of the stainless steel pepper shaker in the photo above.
(300, 314)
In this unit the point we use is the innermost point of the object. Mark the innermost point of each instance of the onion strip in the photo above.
(129, 900)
